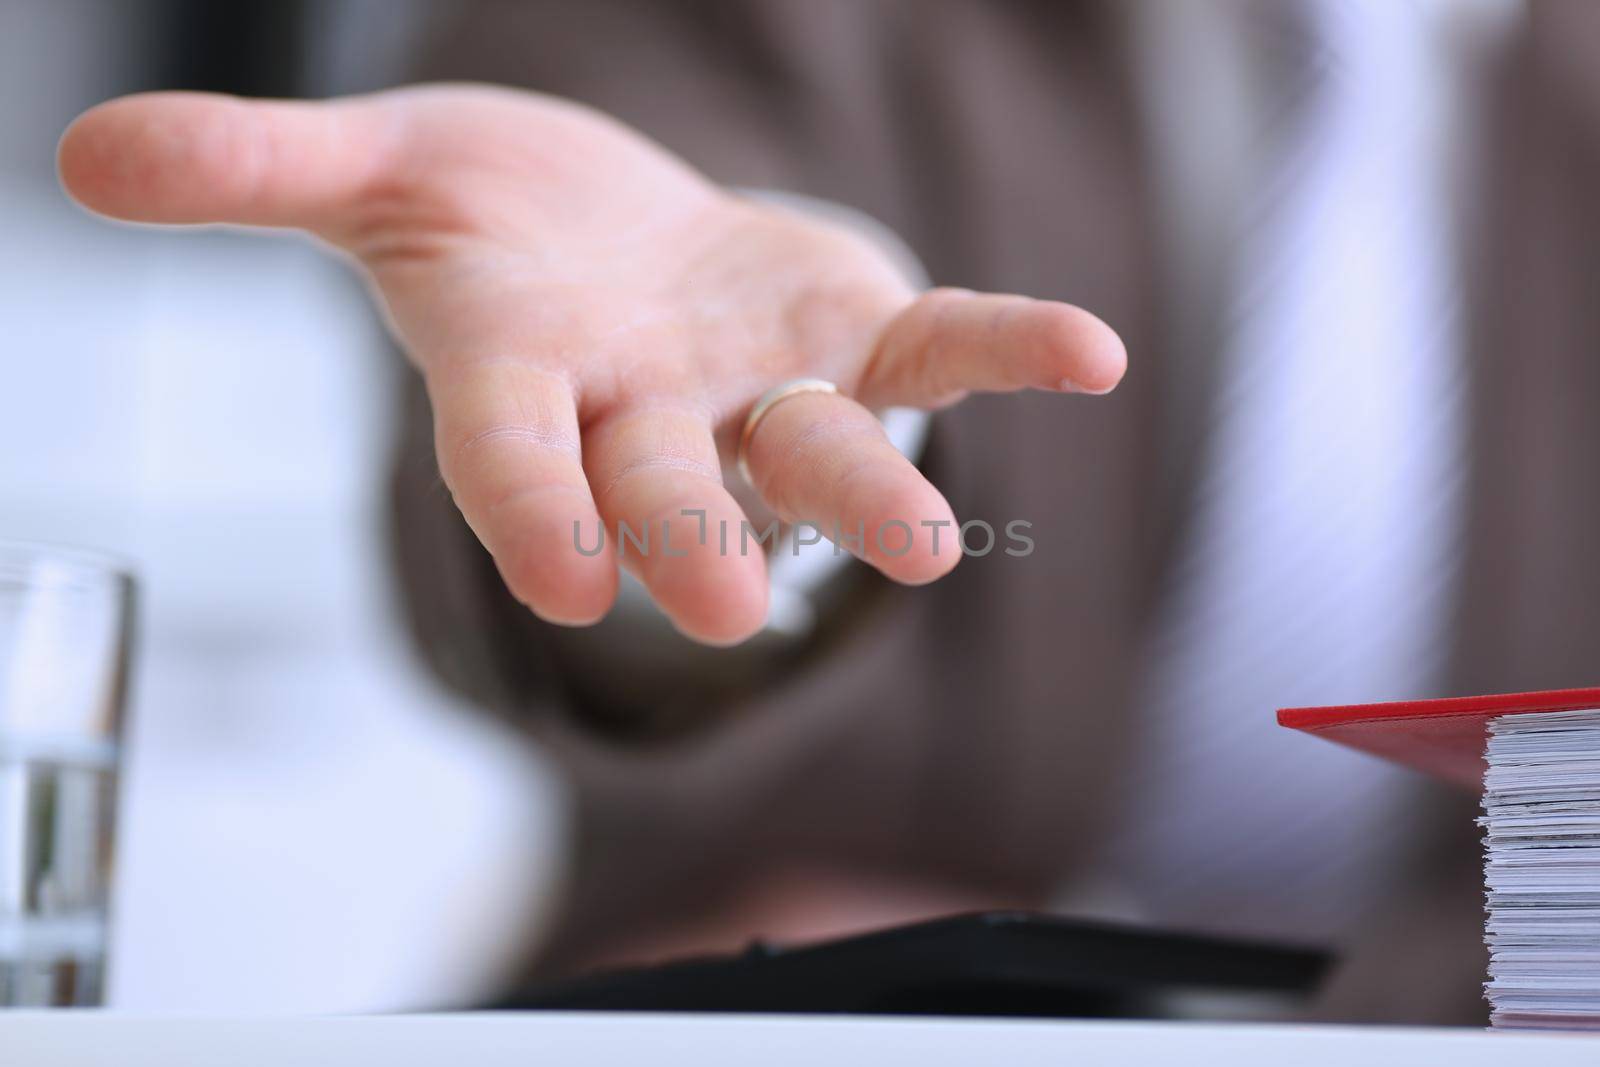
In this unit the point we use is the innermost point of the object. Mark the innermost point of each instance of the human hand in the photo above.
(594, 319)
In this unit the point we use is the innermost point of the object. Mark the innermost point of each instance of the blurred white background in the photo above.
(307, 823)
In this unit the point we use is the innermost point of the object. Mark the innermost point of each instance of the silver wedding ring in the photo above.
(765, 403)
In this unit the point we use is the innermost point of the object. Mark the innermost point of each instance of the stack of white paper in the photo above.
(1541, 804)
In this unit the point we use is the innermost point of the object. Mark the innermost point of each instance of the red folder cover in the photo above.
(1443, 738)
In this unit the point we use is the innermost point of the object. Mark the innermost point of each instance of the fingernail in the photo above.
(1070, 386)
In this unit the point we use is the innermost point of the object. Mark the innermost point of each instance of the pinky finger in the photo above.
(951, 342)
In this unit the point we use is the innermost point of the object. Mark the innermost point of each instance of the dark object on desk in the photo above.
(994, 963)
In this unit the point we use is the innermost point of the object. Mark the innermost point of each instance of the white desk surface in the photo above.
(55, 1039)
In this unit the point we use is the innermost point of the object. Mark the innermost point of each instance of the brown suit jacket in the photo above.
(971, 731)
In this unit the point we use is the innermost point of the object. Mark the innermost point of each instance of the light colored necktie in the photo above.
(1317, 566)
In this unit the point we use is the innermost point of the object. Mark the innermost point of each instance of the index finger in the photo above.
(506, 434)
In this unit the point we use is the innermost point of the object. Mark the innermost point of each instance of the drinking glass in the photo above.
(65, 636)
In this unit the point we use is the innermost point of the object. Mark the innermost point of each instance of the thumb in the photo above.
(200, 157)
